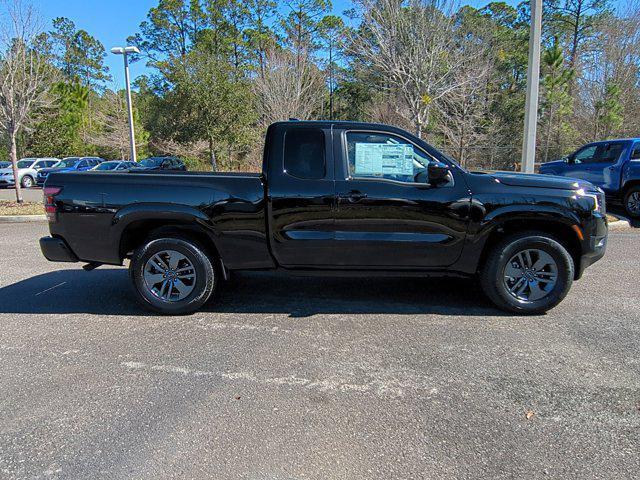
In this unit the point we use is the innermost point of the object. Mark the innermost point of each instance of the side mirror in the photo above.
(439, 173)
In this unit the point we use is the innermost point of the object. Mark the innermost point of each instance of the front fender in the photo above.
(630, 173)
(533, 215)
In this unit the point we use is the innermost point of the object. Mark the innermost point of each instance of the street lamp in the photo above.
(533, 83)
(124, 51)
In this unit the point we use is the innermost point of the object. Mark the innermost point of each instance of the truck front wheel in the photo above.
(172, 275)
(632, 202)
(528, 272)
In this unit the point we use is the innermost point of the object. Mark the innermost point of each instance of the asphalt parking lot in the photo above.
(289, 378)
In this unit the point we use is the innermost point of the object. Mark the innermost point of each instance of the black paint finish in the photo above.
(334, 223)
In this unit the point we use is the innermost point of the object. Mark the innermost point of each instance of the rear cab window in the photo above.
(304, 153)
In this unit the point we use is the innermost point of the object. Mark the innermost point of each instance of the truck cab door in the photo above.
(301, 194)
(598, 163)
(605, 167)
(577, 163)
(388, 215)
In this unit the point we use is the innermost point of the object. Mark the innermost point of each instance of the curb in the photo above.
(23, 218)
(619, 224)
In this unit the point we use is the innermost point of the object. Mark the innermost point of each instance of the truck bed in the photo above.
(98, 213)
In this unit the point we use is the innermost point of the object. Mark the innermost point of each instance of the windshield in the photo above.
(107, 166)
(151, 162)
(67, 162)
(25, 163)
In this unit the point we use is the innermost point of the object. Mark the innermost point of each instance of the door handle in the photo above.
(354, 196)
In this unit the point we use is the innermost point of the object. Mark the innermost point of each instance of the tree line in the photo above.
(222, 70)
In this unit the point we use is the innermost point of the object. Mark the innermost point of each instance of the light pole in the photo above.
(124, 51)
(533, 83)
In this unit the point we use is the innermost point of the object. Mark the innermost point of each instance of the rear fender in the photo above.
(159, 215)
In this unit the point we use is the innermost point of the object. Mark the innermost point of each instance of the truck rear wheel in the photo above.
(172, 275)
(528, 273)
(632, 202)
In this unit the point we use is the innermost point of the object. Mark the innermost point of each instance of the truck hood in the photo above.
(555, 163)
(541, 181)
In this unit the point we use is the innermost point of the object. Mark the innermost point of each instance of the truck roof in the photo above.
(631, 139)
(340, 123)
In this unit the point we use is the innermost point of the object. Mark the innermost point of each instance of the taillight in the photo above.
(50, 202)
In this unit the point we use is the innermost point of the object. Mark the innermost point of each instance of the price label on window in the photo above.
(381, 159)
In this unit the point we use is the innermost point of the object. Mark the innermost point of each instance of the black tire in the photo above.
(492, 273)
(205, 282)
(631, 205)
(27, 181)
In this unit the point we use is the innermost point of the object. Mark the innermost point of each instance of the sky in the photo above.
(113, 21)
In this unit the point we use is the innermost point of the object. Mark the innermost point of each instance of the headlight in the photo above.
(597, 197)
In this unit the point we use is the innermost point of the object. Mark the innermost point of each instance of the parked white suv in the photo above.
(27, 171)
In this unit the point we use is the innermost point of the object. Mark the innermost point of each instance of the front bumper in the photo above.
(56, 250)
(595, 245)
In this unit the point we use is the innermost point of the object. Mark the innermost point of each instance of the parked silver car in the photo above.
(27, 171)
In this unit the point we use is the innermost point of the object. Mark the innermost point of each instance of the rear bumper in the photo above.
(56, 250)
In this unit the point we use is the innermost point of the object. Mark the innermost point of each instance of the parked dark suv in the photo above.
(162, 163)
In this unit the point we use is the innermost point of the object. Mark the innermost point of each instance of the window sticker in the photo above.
(380, 159)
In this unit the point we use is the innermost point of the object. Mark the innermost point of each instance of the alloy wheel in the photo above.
(170, 275)
(530, 275)
(633, 203)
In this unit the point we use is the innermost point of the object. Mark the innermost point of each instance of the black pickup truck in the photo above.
(339, 198)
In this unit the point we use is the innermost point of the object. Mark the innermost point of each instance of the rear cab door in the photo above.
(388, 215)
(301, 193)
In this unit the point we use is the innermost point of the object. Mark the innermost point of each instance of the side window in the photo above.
(51, 163)
(381, 155)
(83, 164)
(304, 155)
(635, 153)
(585, 155)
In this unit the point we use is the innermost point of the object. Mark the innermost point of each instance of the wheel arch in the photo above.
(564, 233)
(134, 225)
(628, 185)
